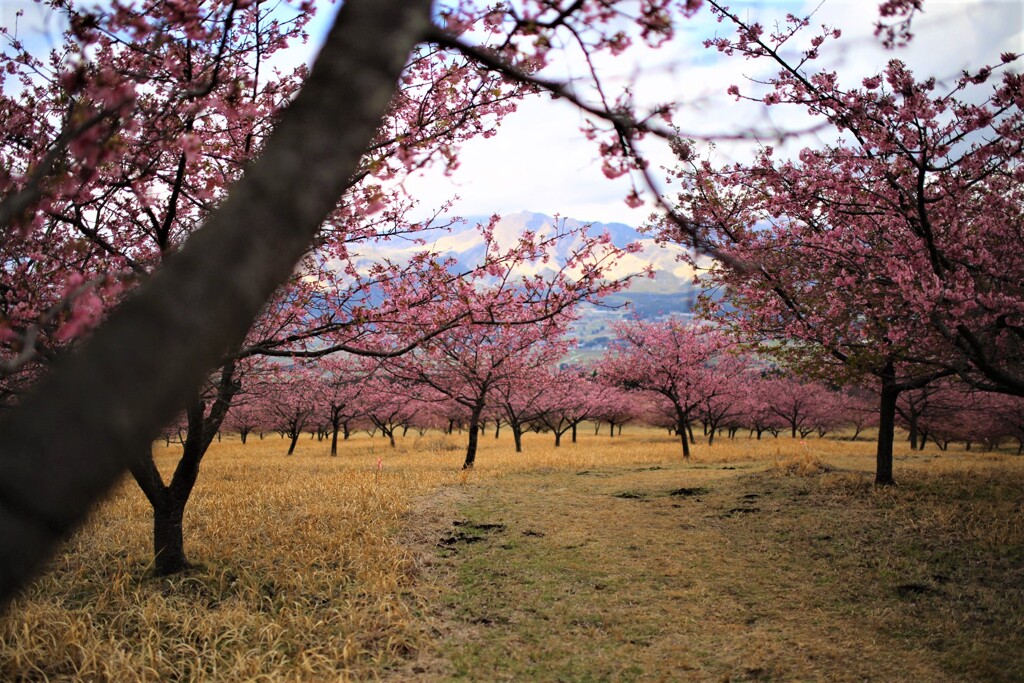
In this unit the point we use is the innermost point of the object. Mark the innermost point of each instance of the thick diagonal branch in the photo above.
(80, 430)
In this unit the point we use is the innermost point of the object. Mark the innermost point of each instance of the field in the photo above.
(608, 559)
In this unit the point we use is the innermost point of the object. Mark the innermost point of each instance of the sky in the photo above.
(540, 161)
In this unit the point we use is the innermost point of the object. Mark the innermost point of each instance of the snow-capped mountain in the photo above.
(671, 284)
(670, 291)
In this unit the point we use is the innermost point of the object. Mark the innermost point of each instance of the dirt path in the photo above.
(699, 573)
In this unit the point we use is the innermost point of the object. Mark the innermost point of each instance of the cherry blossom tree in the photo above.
(671, 358)
(725, 402)
(794, 402)
(466, 364)
(390, 403)
(340, 382)
(518, 400)
(860, 410)
(566, 402)
(885, 251)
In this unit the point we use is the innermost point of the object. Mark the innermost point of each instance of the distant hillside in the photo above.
(670, 292)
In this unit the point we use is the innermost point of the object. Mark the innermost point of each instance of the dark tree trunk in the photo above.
(474, 435)
(517, 436)
(497, 428)
(169, 501)
(682, 423)
(689, 430)
(168, 541)
(294, 440)
(334, 440)
(619, 429)
(886, 427)
(558, 438)
(574, 432)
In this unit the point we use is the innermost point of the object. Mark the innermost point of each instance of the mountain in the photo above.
(671, 286)
(670, 291)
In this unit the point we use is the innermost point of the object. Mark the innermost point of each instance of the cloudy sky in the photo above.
(541, 162)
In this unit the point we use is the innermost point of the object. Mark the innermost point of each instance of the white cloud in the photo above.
(539, 161)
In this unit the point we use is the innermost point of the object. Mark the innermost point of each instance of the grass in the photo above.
(609, 559)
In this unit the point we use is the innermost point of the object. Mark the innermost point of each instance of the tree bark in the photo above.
(886, 427)
(168, 540)
(474, 435)
(681, 429)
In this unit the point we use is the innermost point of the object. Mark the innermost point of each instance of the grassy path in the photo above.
(726, 573)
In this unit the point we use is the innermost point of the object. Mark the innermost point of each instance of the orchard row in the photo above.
(667, 374)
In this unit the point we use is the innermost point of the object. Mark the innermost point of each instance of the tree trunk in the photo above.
(682, 423)
(168, 501)
(474, 435)
(558, 438)
(517, 436)
(168, 541)
(574, 432)
(334, 441)
(295, 438)
(886, 428)
(689, 430)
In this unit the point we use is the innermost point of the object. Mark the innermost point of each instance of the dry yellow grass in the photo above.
(303, 574)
